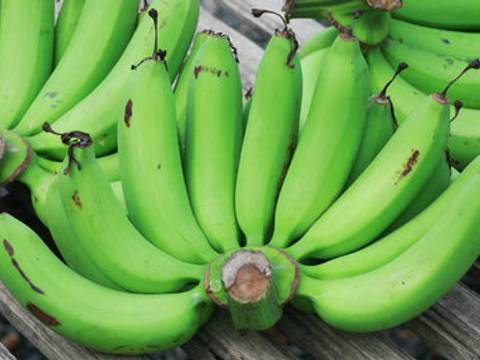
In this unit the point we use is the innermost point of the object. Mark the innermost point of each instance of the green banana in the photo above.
(26, 51)
(410, 283)
(445, 14)
(429, 71)
(329, 142)
(106, 235)
(321, 40)
(17, 156)
(464, 142)
(178, 19)
(311, 68)
(265, 155)
(435, 186)
(106, 27)
(371, 27)
(182, 86)
(66, 24)
(151, 166)
(457, 44)
(392, 245)
(109, 164)
(381, 125)
(214, 133)
(389, 184)
(97, 317)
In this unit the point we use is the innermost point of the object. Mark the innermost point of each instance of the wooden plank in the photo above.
(49, 343)
(5, 354)
(452, 326)
(222, 341)
(249, 53)
(238, 15)
(320, 340)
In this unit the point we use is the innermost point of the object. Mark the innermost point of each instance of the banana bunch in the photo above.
(330, 188)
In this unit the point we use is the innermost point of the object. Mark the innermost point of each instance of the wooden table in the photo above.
(451, 328)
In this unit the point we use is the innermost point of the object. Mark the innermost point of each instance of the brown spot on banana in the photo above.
(42, 315)
(128, 112)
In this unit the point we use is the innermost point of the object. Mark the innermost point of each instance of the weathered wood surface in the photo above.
(5, 354)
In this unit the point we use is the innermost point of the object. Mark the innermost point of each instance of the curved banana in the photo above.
(435, 186)
(265, 154)
(392, 245)
(446, 14)
(429, 71)
(410, 283)
(94, 115)
(151, 167)
(464, 144)
(371, 27)
(438, 41)
(321, 40)
(182, 86)
(26, 52)
(66, 24)
(97, 317)
(106, 27)
(311, 68)
(214, 135)
(381, 124)
(329, 143)
(106, 235)
(389, 184)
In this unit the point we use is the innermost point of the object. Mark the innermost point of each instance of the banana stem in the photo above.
(251, 296)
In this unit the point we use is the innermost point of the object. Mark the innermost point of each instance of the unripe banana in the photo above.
(106, 235)
(392, 245)
(321, 40)
(26, 51)
(463, 144)
(439, 41)
(389, 184)
(17, 156)
(429, 71)
(329, 142)
(435, 186)
(410, 283)
(106, 27)
(214, 134)
(97, 317)
(265, 154)
(446, 14)
(371, 27)
(99, 117)
(66, 24)
(151, 167)
(182, 86)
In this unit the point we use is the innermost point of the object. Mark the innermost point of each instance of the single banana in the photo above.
(265, 154)
(435, 186)
(381, 124)
(371, 26)
(214, 135)
(392, 245)
(409, 284)
(178, 20)
(66, 24)
(26, 51)
(151, 166)
(444, 14)
(429, 71)
(182, 86)
(457, 44)
(97, 317)
(389, 184)
(464, 144)
(106, 27)
(311, 68)
(106, 235)
(329, 143)
(320, 40)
